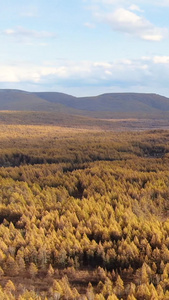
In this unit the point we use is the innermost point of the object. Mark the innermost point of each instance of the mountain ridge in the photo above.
(101, 105)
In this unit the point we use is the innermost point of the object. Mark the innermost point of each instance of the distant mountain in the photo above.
(17, 100)
(114, 102)
(104, 105)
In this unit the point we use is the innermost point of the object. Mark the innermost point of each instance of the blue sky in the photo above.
(85, 47)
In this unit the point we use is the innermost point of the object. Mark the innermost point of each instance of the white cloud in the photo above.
(162, 3)
(110, 2)
(130, 23)
(18, 74)
(130, 2)
(81, 70)
(23, 34)
(122, 17)
(161, 59)
(135, 8)
(144, 74)
(102, 65)
(127, 17)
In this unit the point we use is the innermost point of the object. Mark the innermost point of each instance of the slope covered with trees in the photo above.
(83, 213)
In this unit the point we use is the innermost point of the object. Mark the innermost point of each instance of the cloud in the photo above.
(108, 1)
(162, 3)
(143, 72)
(135, 8)
(130, 2)
(89, 25)
(85, 77)
(23, 34)
(127, 17)
(161, 59)
(130, 23)
(15, 74)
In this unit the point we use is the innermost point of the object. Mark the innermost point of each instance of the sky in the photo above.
(85, 47)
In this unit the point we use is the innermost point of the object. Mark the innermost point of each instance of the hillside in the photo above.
(102, 106)
(114, 102)
(16, 100)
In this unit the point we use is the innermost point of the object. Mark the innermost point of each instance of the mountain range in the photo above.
(105, 105)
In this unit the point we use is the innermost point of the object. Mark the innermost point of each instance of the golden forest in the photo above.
(84, 213)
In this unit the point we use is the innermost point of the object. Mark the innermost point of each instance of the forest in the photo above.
(84, 213)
